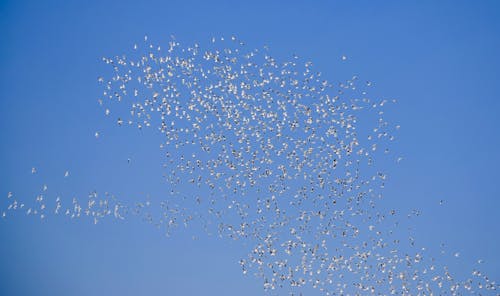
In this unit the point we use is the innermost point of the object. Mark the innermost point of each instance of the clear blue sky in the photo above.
(439, 59)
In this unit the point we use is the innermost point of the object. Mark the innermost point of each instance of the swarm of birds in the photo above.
(281, 158)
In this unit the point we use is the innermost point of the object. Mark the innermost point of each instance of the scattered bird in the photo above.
(280, 162)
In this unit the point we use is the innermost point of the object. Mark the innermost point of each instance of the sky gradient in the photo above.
(439, 60)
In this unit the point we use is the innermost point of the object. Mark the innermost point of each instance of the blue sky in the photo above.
(439, 60)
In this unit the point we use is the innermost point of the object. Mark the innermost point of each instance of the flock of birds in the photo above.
(271, 153)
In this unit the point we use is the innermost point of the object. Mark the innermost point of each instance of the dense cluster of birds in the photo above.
(271, 153)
